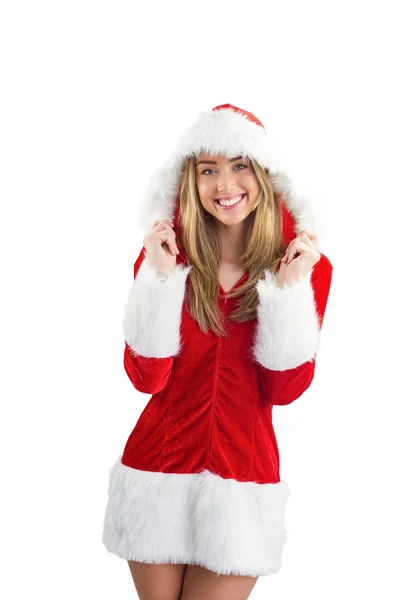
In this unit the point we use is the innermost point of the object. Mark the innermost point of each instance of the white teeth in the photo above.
(230, 202)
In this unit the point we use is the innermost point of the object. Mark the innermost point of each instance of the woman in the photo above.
(222, 322)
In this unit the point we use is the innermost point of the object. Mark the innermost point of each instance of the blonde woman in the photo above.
(222, 323)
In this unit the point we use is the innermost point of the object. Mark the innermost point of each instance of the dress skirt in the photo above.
(227, 526)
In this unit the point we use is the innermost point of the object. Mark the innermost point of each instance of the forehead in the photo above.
(216, 158)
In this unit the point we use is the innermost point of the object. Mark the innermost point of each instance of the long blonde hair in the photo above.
(201, 243)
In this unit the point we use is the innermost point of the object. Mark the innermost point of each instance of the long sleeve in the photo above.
(288, 332)
(151, 324)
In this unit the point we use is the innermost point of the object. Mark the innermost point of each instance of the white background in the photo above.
(93, 96)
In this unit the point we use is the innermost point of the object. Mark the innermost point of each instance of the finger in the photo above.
(164, 225)
(166, 221)
(163, 236)
(308, 239)
(297, 247)
(170, 240)
(302, 237)
(288, 248)
(305, 237)
(310, 234)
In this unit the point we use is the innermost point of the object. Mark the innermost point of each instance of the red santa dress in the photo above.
(198, 481)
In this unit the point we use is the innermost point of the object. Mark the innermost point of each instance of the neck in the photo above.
(233, 242)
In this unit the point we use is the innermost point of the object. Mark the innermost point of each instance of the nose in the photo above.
(226, 181)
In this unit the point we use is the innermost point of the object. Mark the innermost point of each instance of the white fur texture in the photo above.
(287, 333)
(231, 134)
(152, 316)
(221, 524)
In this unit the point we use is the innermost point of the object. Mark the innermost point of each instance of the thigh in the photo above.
(200, 583)
(157, 582)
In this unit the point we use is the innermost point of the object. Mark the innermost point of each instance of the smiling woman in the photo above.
(218, 333)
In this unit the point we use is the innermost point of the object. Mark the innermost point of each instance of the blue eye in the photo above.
(239, 165)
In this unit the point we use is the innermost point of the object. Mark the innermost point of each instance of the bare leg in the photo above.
(157, 582)
(200, 583)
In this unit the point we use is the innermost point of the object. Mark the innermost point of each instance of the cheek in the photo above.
(204, 189)
(250, 182)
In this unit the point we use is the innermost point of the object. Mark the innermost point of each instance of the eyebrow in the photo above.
(214, 162)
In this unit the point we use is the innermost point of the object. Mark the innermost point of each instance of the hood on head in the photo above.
(231, 131)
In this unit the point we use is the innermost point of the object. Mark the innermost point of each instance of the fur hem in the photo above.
(288, 332)
(227, 526)
(152, 318)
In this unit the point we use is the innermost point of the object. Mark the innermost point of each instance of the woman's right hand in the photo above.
(160, 246)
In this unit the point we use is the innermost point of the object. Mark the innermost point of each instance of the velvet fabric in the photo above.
(211, 406)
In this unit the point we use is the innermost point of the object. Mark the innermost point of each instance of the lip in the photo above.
(228, 197)
(244, 198)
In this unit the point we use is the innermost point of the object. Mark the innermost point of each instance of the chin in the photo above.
(232, 220)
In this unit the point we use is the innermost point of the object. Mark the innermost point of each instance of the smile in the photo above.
(232, 203)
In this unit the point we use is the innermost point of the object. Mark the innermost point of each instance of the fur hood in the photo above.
(230, 131)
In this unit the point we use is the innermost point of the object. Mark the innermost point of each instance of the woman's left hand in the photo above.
(300, 257)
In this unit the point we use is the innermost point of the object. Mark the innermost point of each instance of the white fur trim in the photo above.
(231, 134)
(153, 310)
(287, 333)
(221, 524)
(304, 214)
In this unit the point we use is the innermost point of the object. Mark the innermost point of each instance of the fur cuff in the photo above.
(288, 332)
(152, 317)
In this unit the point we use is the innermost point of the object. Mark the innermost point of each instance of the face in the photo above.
(220, 178)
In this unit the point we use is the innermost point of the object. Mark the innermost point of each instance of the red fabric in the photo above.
(148, 375)
(241, 111)
(211, 406)
(287, 223)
